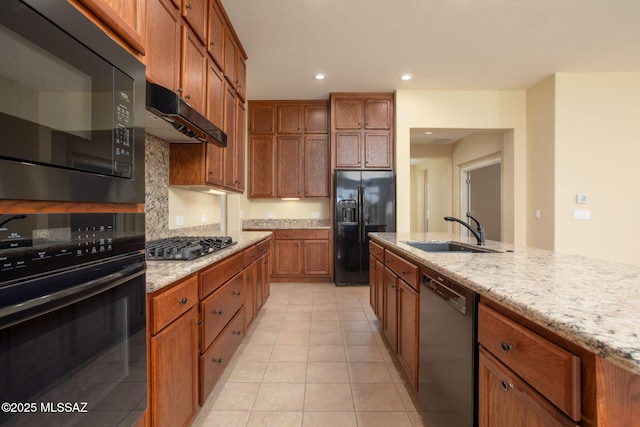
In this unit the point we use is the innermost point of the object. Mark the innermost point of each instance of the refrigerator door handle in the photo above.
(361, 236)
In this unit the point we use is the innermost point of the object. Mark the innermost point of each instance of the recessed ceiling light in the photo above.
(406, 77)
(428, 133)
(319, 77)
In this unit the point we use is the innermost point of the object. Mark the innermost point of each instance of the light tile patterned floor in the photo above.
(314, 357)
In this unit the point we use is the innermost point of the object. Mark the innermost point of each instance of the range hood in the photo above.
(170, 118)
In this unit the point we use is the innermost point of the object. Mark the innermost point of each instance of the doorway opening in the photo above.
(482, 196)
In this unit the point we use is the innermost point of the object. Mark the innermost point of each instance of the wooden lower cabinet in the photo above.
(195, 327)
(504, 400)
(408, 318)
(174, 372)
(302, 254)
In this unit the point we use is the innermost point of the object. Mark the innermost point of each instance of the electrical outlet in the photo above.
(315, 215)
(537, 214)
(581, 214)
(203, 218)
(180, 220)
(271, 215)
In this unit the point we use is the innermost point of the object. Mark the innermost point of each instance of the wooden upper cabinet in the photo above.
(241, 75)
(163, 44)
(289, 119)
(261, 118)
(230, 54)
(316, 119)
(215, 94)
(123, 19)
(230, 177)
(195, 13)
(362, 130)
(215, 42)
(290, 166)
(241, 114)
(348, 113)
(194, 71)
(316, 166)
(261, 165)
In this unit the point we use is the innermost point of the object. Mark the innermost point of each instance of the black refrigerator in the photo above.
(364, 203)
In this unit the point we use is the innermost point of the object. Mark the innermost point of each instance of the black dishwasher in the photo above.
(448, 352)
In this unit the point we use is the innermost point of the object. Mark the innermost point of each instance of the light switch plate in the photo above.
(581, 198)
(315, 215)
(179, 220)
(271, 215)
(203, 218)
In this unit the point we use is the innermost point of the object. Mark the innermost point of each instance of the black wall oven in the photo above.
(72, 108)
(72, 319)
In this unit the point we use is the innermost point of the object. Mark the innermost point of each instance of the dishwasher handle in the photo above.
(455, 299)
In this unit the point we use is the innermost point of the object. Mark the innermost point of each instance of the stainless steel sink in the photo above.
(447, 247)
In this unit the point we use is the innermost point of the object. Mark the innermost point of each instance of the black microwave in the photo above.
(72, 108)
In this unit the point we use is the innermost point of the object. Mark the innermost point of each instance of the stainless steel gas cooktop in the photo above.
(185, 248)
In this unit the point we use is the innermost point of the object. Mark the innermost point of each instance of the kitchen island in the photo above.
(591, 305)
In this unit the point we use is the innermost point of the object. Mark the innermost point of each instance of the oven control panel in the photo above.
(31, 244)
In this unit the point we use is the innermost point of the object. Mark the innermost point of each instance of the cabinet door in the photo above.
(215, 45)
(259, 284)
(390, 295)
(261, 118)
(240, 144)
(241, 77)
(195, 13)
(316, 166)
(261, 166)
(266, 276)
(348, 150)
(315, 257)
(289, 119)
(215, 113)
(377, 151)
(348, 113)
(289, 167)
(249, 274)
(230, 151)
(378, 114)
(408, 318)
(174, 372)
(287, 260)
(316, 119)
(380, 289)
(194, 70)
(125, 18)
(230, 54)
(163, 44)
(504, 400)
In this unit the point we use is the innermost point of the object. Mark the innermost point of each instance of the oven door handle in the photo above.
(33, 307)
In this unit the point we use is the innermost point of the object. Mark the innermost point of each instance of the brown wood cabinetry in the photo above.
(193, 75)
(362, 134)
(195, 13)
(302, 254)
(288, 149)
(124, 21)
(163, 44)
(376, 278)
(215, 40)
(544, 377)
(174, 355)
(195, 327)
(401, 305)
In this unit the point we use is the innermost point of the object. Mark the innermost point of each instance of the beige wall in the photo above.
(465, 110)
(437, 172)
(541, 164)
(597, 147)
(192, 205)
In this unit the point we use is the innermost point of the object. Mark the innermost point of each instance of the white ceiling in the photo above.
(366, 45)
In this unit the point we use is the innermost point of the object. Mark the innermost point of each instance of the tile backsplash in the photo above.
(157, 195)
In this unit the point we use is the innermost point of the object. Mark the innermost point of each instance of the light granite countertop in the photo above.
(277, 224)
(594, 303)
(164, 273)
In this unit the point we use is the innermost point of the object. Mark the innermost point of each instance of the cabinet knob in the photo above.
(506, 348)
(218, 360)
(179, 90)
(212, 43)
(506, 385)
(237, 332)
(199, 323)
(183, 301)
(188, 96)
(237, 293)
(219, 312)
(189, 6)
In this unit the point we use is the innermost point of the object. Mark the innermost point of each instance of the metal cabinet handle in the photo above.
(188, 96)
(199, 323)
(218, 361)
(506, 385)
(237, 293)
(182, 301)
(237, 332)
(506, 348)
(219, 312)
(189, 6)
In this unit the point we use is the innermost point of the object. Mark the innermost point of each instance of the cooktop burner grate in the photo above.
(185, 248)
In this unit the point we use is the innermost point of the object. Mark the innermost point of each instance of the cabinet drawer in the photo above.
(302, 234)
(250, 255)
(376, 250)
(219, 308)
(403, 268)
(169, 305)
(214, 276)
(551, 370)
(213, 362)
(263, 247)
